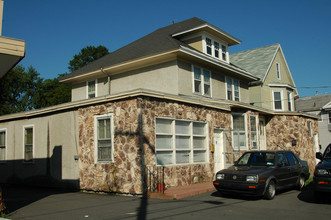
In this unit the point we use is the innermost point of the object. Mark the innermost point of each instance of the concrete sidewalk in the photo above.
(183, 191)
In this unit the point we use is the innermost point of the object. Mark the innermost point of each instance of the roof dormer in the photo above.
(209, 40)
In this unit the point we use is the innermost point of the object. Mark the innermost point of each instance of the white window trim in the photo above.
(202, 82)
(6, 145)
(278, 73)
(33, 143)
(96, 88)
(281, 100)
(246, 136)
(96, 118)
(191, 149)
(291, 101)
(220, 42)
(257, 132)
(232, 88)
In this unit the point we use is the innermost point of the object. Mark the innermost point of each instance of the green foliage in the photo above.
(86, 56)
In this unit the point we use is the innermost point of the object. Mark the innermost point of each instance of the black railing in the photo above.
(155, 178)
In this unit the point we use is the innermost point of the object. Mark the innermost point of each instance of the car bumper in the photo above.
(239, 188)
(322, 184)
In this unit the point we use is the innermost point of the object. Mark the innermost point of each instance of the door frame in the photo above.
(219, 150)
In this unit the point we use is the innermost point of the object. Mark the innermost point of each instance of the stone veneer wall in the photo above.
(124, 175)
(281, 130)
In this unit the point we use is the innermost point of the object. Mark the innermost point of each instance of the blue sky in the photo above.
(56, 30)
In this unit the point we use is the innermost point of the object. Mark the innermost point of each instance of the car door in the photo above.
(295, 167)
(282, 171)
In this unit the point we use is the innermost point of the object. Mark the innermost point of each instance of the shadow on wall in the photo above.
(45, 172)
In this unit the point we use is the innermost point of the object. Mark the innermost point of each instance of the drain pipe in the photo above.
(108, 76)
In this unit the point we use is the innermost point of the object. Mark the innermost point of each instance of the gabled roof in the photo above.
(159, 41)
(313, 103)
(256, 61)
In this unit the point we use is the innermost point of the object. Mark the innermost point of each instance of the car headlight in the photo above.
(252, 179)
(220, 176)
(321, 172)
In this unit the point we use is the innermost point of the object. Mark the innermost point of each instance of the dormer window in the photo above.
(216, 49)
(209, 46)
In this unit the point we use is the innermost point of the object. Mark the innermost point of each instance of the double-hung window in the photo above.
(232, 89)
(253, 130)
(28, 143)
(201, 81)
(216, 49)
(180, 142)
(223, 52)
(239, 131)
(208, 46)
(329, 114)
(3, 145)
(104, 138)
(91, 89)
(277, 95)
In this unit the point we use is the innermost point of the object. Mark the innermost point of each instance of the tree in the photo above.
(17, 89)
(86, 56)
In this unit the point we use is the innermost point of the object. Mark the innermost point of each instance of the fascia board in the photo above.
(218, 63)
(212, 28)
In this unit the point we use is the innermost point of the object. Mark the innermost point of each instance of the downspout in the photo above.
(108, 76)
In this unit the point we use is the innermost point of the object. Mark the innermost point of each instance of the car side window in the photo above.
(292, 159)
(282, 159)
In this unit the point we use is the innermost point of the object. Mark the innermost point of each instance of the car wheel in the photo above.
(270, 190)
(301, 182)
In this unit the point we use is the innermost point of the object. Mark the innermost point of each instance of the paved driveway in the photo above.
(34, 203)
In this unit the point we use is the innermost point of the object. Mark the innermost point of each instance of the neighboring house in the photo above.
(170, 104)
(12, 51)
(318, 105)
(276, 89)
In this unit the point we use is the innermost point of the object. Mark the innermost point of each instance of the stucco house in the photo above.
(275, 89)
(319, 105)
(168, 107)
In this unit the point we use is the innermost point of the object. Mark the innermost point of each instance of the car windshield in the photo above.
(257, 159)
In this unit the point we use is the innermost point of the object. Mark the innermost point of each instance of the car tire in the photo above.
(301, 182)
(270, 191)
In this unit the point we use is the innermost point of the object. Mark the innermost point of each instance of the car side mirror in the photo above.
(319, 155)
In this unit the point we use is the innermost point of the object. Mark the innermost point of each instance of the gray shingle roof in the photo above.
(157, 42)
(255, 61)
(312, 103)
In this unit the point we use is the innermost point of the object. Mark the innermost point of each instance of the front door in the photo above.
(219, 150)
(263, 139)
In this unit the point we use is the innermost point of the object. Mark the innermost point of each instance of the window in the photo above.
(329, 113)
(232, 89)
(180, 142)
(289, 101)
(282, 159)
(2, 145)
(253, 126)
(278, 101)
(224, 52)
(208, 45)
(201, 81)
(28, 144)
(217, 49)
(104, 138)
(91, 89)
(278, 70)
(292, 159)
(239, 131)
(309, 129)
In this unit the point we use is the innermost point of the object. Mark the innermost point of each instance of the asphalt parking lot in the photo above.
(42, 203)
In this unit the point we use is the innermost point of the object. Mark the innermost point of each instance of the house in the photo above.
(168, 107)
(12, 51)
(318, 105)
(275, 89)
